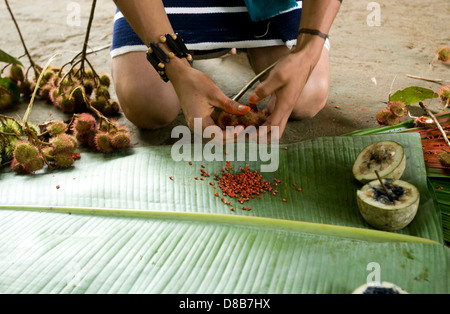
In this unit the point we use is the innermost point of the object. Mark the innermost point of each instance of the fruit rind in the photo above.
(393, 171)
(379, 284)
(386, 216)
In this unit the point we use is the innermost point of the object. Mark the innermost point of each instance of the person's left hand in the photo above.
(284, 84)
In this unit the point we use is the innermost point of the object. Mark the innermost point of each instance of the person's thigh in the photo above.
(146, 100)
(315, 93)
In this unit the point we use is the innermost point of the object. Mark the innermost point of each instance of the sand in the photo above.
(367, 61)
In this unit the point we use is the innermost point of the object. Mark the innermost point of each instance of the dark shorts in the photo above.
(214, 25)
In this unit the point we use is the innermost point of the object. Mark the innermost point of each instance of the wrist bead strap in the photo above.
(312, 32)
(157, 57)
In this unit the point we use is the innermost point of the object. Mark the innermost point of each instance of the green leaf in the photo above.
(118, 224)
(4, 57)
(413, 94)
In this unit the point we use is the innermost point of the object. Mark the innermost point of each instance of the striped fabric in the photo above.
(214, 25)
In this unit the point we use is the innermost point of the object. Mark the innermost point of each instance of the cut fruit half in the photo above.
(387, 157)
(389, 211)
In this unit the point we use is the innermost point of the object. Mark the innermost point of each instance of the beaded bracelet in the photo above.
(158, 58)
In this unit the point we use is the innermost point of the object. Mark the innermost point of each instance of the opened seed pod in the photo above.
(381, 287)
(387, 157)
(389, 207)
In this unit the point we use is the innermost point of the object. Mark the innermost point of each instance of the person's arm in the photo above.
(197, 93)
(290, 75)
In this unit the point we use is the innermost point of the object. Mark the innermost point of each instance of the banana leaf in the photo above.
(118, 223)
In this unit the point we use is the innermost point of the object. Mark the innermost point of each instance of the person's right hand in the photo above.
(199, 95)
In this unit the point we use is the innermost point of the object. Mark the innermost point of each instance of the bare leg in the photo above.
(315, 93)
(146, 100)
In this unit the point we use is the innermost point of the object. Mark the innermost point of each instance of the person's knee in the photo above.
(146, 108)
(313, 100)
(146, 113)
(145, 100)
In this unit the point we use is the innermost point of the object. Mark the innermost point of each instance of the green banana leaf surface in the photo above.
(139, 222)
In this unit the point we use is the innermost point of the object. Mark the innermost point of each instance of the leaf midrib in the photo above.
(355, 233)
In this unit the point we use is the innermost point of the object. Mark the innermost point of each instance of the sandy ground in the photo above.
(367, 62)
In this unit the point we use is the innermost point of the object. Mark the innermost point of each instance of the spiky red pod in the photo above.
(63, 143)
(18, 167)
(397, 108)
(111, 108)
(382, 116)
(16, 73)
(109, 127)
(25, 151)
(84, 122)
(34, 165)
(53, 94)
(89, 73)
(89, 86)
(56, 128)
(48, 151)
(103, 142)
(6, 99)
(444, 93)
(65, 104)
(444, 158)
(385, 117)
(443, 54)
(63, 160)
(26, 88)
(120, 139)
(105, 80)
(102, 91)
(99, 103)
(248, 119)
(225, 119)
(44, 91)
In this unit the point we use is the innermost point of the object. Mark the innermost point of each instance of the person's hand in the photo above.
(284, 84)
(199, 95)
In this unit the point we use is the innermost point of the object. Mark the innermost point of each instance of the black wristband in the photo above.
(312, 32)
(157, 57)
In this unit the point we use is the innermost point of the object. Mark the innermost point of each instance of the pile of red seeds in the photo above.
(244, 184)
(240, 185)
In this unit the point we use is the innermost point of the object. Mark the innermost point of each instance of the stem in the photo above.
(86, 39)
(68, 73)
(253, 81)
(435, 121)
(83, 53)
(99, 115)
(30, 105)
(437, 81)
(33, 64)
(384, 186)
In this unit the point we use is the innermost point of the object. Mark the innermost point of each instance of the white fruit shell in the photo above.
(394, 171)
(388, 217)
(383, 284)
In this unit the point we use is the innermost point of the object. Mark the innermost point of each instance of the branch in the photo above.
(437, 81)
(435, 121)
(36, 68)
(86, 39)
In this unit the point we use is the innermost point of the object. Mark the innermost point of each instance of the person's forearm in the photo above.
(147, 18)
(316, 15)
